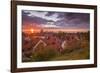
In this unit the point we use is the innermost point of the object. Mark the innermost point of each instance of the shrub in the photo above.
(44, 54)
(71, 45)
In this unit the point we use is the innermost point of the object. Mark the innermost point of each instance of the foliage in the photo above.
(44, 54)
(73, 50)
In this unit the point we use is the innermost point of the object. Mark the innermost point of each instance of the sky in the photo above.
(50, 19)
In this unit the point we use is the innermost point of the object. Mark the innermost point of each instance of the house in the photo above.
(63, 45)
(39, 44)
(54, 42)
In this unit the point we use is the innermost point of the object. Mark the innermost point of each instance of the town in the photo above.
(36, 45)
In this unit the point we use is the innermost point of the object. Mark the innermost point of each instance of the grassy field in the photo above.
(49, 54)
(73, 51)
(78, 54)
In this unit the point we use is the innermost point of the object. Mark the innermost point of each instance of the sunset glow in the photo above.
(54, 35)
(34, 21)
(32, 30)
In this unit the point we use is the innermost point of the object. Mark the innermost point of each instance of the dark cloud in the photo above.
(25, 13)
(74, 20)
(83, 17)
(30, 20)
(50, 13)
(61, 15)
(67, 19)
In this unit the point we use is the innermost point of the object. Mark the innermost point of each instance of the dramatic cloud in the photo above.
(57, 19)
(42, 14)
